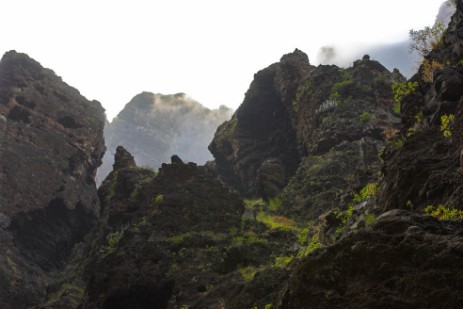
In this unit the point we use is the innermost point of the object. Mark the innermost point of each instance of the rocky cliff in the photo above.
(154, 126)
(308, 121)
(51, 143)
(405, 258)
(350, 201)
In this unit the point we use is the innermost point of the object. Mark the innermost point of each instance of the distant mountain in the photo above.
(155, 126)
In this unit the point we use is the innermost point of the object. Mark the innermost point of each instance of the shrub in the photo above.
(283, 261)
(369, 219)
(274, 203)
(365, 117)
(159, 199)
(313, 245)
(276, 222)
(423, 41)
(303, 236)
(446, 125)
(401, 90)
(247, 273)
(444, 213)
(429, 68)
(367, 192)
(114, 237)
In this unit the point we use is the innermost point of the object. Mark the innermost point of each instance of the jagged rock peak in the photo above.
(123, 159)
(176, 160)
(51, 143)
(297, 56)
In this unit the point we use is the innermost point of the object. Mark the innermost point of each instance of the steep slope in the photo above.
(155, 126)
(162, 237)
(427, 169)
(260, 139)
(328, 118)
(51, 143)
(404, 259)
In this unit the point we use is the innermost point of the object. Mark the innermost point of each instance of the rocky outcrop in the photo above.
(262, 128)
(162, 238)
(427, 168)
(326, 118)
(342, 115)
(154, 126)
(51, 143)
(404, 260)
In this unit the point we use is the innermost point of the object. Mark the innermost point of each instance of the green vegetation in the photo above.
(444, 213)
(303, 236)
(313, 245)
(369, 219)
(365, 117)
(159, 199)
(178, 239)
(276, 222)
(114, 237)
(247, 273)
(283, 261)
(274, 203)
(446, 125)
(423, 41)
(402, 90)
(249, 238)
(339, 90)
(428, 69)
(367, 192)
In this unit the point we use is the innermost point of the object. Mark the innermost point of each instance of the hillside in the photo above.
(154, 126)
(330, 188)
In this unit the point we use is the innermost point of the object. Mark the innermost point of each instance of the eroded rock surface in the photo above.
(51, 143)
(154, 126)
(404, 260)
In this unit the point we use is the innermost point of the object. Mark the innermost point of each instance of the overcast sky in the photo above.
(209, 49)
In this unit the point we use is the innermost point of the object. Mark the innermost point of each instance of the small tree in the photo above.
(423, 41)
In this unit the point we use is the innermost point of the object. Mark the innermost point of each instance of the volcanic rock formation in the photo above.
(154, 126)
(51, 143)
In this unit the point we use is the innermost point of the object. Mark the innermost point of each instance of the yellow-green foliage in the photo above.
(401, 90)
(369, 219)
(423, 41)
(114, 237)
(283, 261)
(367, 192)
(313, 245)
(446, 125)
(254, 204)
(178, 239)
(247, 273)
(159, 199)
(345, 217)
(303, 236)
(274, 203)
(444, 213)
(249, 239)
(428, 69)
(276, 222)
(365, 117)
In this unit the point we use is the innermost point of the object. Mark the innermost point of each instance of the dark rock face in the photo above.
(427, 169)
(403, 261)
(329, 119)
(341, 116)
(155, 126)
(262, 127)
(51, 143)
(161, 239)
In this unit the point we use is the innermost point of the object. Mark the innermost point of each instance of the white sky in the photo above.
(209, 49)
